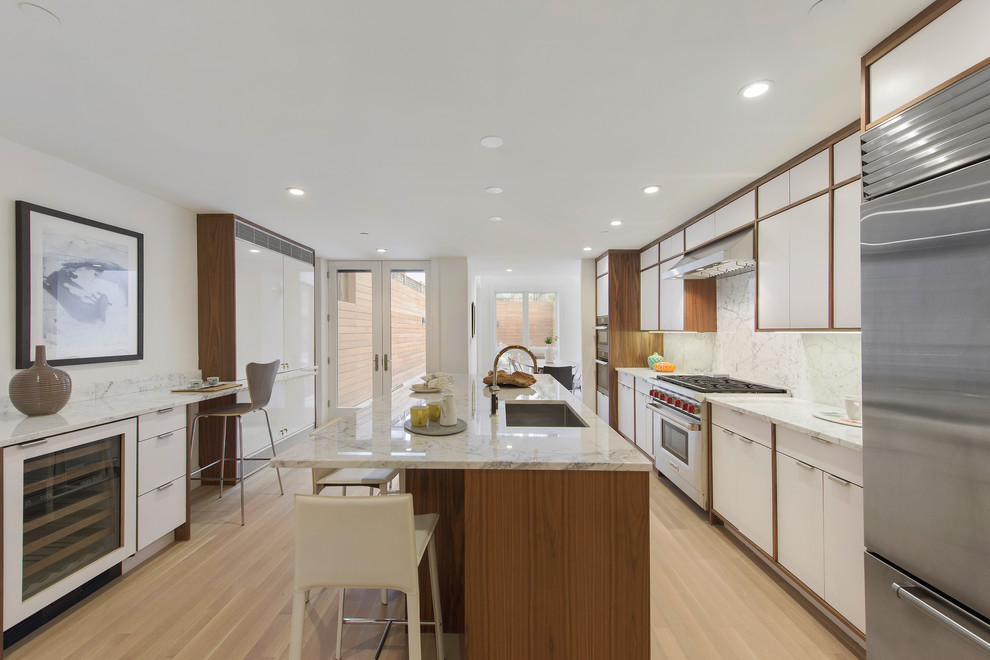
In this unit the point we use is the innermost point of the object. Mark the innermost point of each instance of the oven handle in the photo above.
(679, 420)
(603, 362)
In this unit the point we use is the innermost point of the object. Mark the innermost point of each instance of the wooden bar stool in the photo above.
(364, 543)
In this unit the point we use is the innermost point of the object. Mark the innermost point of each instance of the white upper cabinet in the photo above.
(774, 194)
(601, 266)
(649, 299)
(298, 328)
(258, 305)
(700, 232)
(649, 257)
(672, 246)
(601, 296)
(793, 267)
(736, 214)
(846, 256)
(671, 300)
(846, 159)
(809, 177)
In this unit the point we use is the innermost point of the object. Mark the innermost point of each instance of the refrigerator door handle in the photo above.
(907, 592)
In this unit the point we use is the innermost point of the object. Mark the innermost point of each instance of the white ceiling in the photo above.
(376, 108)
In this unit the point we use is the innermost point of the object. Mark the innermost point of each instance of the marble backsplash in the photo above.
(822, 367)
(99, 390)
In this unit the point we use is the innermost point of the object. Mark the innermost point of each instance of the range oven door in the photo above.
(601, 375)
(680, 452)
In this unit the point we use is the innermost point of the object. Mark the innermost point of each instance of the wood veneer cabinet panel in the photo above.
(557, 564)
(442, 492)
(700, 305)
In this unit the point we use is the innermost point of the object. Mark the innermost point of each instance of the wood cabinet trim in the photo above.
(643, 270)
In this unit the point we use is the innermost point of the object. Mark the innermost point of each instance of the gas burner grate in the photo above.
(713, 384)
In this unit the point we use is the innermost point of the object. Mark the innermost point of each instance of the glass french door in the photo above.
(378, 329)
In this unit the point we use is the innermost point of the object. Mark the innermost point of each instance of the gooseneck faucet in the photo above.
(494, 387)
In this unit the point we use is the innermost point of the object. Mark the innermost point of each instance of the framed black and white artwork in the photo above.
(79, 288)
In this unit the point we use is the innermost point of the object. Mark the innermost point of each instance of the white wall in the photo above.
(821, 367)
(170, 316)
(454, 314)
(589, 315)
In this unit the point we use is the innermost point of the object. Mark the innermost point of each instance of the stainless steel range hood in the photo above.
(731, 255)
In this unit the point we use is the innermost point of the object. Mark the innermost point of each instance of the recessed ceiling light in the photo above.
(491, 142)
(495, 218)
(508, 270)
(493, 190)
(649, 190)
(381, 250)
(292, 190)
(758, 88)
(615, 223)
(587, 249)
(39, 13)
(822, 7)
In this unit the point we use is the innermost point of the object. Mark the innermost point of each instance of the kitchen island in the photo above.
(543, 542)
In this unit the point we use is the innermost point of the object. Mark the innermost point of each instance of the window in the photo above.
(526, 318)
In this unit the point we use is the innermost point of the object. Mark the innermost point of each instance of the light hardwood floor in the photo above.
(227, 594)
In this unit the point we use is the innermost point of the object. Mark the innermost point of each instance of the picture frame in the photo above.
(79, 288)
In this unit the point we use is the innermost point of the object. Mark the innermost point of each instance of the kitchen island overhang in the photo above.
(543, 542)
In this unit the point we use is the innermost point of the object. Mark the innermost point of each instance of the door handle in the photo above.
(385, 359)
(376, 361)
(906, 592)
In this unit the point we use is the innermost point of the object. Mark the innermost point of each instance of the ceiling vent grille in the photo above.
(271, 242)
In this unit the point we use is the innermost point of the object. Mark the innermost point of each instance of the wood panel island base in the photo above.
(543, 540)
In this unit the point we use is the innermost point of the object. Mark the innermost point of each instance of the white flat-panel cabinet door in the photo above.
(809, 264)
(774, 194)
(253, 424)
(601, 296)
(773, 268)
(644, 423)
(627, 408)
(845, 256)
(258, 295)
(299, 315)
(602, 406)
(799, 521)
(671, 300)
(735, 214)
(809, 176)
(649, 299)
(700, 232)
(299, 411)
(844, 547)
(742, 477)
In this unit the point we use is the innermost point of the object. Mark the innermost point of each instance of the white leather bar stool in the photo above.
(364, 543)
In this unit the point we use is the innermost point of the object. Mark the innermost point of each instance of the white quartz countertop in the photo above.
(374, 436)
(16, 428)
(640, 372)
(796, 414)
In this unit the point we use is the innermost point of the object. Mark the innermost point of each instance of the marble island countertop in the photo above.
(374, 436)
(16, 428)
(796, 414)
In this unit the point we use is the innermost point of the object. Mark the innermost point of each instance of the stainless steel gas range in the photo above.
(678, 406)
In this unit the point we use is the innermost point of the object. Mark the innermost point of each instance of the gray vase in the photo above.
(40, 389)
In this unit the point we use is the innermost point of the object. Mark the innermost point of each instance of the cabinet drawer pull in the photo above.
(837, 480)
(164, 486)
(822, 440)
(743, 438)
(805, 465)
(30, 443)
(165, 435)
(165, 410)
(674, 465)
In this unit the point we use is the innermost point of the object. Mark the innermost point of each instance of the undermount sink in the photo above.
(541, 413)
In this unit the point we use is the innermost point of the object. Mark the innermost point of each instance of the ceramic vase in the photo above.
(40, 389)
(550, 354)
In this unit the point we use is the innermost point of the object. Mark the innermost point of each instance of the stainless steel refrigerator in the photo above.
(925, 239)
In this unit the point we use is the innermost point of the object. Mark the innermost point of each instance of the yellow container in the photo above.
(419, 415)
(434, 410)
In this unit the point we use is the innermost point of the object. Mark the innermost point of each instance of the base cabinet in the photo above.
(627, 414)
(602, 406)
(161, 478)
(742, 485)
(844, 547)
(800, 522)
(644, 422)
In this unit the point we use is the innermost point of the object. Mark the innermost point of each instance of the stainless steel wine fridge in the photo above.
(68, 513)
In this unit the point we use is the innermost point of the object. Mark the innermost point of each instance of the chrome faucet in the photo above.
(494, 387)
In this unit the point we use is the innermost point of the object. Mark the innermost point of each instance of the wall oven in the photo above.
(601, 336)
(68, 513)
(601, 373)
